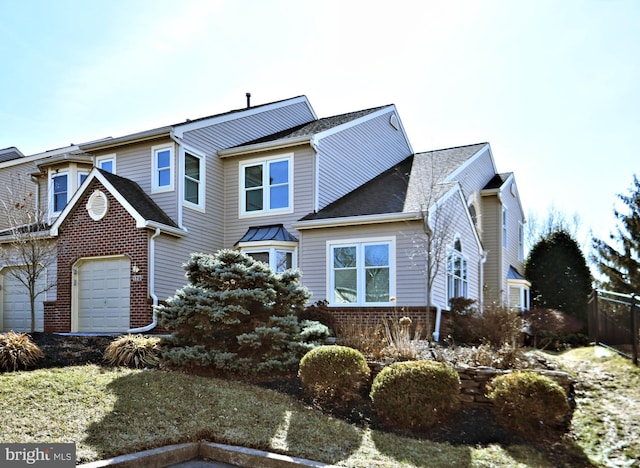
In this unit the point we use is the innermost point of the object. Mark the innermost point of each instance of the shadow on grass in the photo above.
(156, 408)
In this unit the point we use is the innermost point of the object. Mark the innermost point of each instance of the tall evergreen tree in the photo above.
(559, 275)
(619, 261)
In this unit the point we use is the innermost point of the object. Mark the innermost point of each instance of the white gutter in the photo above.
(34, 179)
(152, 281)
(275, 144)
(357, 220)
(180, 181)
(481, 262)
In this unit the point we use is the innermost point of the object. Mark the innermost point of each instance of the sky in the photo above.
(553, 86)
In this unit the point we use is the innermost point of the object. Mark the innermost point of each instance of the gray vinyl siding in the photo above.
(410, 258)
(514, 219)
(14, 179)
(169, 258)
(355, 155)
(303, 189)
(475, 175)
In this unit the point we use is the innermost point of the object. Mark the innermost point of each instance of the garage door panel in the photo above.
(16, 311)
(103, 295)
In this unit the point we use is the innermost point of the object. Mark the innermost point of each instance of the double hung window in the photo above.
(361, 272)
(162, 172)
(60, 191)
(193, 180)
(266, 186)
(457, 275)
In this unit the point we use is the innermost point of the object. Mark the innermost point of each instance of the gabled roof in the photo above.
(181, 127)
(138, 199)
(411, 186)
(131, 196)
(316, 126)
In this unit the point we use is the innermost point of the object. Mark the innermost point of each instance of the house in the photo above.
(372, 225)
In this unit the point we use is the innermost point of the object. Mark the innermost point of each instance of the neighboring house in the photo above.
(344, 198)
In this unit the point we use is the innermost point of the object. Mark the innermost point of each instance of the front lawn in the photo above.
(110, 412)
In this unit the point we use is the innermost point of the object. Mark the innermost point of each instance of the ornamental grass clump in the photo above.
(528, 402)
(334, 373)
(414, 395)
(18, 351)
(134, 351)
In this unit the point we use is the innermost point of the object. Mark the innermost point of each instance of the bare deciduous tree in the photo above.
(26, 247)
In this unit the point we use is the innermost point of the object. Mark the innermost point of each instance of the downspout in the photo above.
(180, 176)
(436, 329)
(152, 281)
(481, 262)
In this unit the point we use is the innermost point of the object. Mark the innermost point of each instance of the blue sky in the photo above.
(554, 86)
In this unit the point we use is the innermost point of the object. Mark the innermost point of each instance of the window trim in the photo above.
(155, 187)
(505, 228)
(52, 175)
(271, 248)
(200, 206)
(360, 243)
(464, 279)
(265, 162)
(106, 158)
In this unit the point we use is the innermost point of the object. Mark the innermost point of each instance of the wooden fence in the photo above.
(613, 321)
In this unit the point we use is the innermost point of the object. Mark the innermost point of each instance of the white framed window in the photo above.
(278, 259)
(266, 186)
(505, 243)
(193, 171)
(457, 272)
(59, 191)
(82, 175)
(162, 169)
(520, 242)
(361, 272)
(107, 163)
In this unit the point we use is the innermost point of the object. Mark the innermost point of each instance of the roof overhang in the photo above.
(357, 220)
(139, 137)
(269, 145)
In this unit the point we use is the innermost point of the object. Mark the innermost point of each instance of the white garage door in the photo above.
(16, 312)
(103, 295)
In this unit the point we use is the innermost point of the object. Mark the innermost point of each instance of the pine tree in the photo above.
(619, 261)
(559, 275)
(236, 315)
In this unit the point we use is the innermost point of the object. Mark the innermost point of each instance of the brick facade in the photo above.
(79, 237)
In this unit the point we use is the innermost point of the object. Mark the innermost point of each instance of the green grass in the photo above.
(110, 412)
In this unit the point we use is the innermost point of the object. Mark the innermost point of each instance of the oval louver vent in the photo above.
(97, 205)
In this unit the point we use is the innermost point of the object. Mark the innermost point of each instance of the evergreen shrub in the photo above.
(528, 401)
(334, 373)
(237, 316)
(414, 395)
(18, 351)
(133, 351)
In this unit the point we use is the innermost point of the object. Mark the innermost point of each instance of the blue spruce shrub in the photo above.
(237, 316)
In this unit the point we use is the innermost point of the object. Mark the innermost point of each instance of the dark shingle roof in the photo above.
(410, 186)
(316, 126)
(273, 232)
(385, 193)
(138, 199)
(497, 181)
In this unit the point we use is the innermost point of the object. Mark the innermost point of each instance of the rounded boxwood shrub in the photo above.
(528, 401)
(333, 372)
(415, 395)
